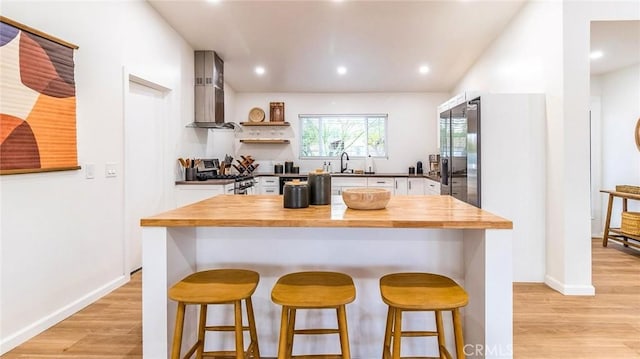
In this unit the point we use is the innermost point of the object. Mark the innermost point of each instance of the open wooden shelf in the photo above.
(616, 234)
(626, 239)
(273, 124)
(265, 141)
(623, 234)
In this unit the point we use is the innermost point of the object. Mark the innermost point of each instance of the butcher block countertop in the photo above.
(268, 211)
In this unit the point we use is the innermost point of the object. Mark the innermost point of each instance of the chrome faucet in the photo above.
(343, 165)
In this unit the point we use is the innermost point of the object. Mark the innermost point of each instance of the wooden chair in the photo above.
(313, 290)
(421, 292)
(219, 286)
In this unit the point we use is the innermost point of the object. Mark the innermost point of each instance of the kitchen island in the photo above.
(436, 234)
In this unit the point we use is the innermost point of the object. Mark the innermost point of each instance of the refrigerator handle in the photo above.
(444, 172)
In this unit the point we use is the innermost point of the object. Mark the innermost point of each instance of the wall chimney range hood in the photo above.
(209, 91)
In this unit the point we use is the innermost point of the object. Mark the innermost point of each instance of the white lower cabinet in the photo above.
(338, 184)
(382, 182)
(401, 186)
(431, 187)
(269, 185)
(398, 186)
(416, 186)
(188, 194)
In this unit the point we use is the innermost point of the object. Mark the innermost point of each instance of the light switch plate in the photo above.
(110, 169)
(89, 170)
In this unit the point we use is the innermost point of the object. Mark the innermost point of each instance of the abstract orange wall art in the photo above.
(37, 101)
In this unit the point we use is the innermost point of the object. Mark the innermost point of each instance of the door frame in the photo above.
(127, 78)
(595, 123)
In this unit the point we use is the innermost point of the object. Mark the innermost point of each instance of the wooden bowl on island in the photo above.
(366, 198)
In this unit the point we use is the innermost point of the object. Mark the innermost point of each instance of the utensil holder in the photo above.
(190, 174)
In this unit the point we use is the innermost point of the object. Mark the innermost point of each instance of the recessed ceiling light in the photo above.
(213, 1)
(596, 54)
(342, 70)
(259, 70)
(424, 69)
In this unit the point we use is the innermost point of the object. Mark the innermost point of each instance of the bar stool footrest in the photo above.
(316, 331)
(222, 354)
(317, 356)
(223, 328)
(416, 333)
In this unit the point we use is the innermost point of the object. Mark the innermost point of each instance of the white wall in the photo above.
(513, 173)
(575, 269)
(619, 92)
(61, 234)
(411, 125)
(546, 48)
(525, 58)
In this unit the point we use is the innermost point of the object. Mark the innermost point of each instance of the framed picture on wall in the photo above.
(38, 102)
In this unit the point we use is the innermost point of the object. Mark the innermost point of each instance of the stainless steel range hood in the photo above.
(209, 91)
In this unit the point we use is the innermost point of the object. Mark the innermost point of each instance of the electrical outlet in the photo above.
(110, 169)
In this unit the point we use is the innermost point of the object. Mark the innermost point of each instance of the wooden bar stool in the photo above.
(219, 286)
(313, 290)
(421, 292)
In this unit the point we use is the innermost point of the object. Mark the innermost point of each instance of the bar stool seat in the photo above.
(218, 286)
(313, 290)
(421, 292)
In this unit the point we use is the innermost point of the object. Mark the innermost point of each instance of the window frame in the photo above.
(366, 116)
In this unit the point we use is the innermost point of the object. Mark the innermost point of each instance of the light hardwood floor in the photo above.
(546, 323)
(109, 328)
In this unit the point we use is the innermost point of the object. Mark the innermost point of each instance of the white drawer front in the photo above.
(349, 182)
(269, 181)
(432, 187)
(380, 182)
(270, 190)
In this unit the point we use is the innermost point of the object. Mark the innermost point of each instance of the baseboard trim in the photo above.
(567, 289)
(13, 340)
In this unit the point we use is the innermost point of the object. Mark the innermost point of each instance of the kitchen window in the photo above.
(327, 136)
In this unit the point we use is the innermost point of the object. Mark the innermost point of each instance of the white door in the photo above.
(144, 173)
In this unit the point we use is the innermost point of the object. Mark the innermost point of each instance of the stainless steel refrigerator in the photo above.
(460, 152)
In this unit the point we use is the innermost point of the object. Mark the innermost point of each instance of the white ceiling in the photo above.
(619, 42)
(300, 43)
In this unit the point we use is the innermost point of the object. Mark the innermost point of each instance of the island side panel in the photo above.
(168, 255)
(488, 320)
(364, 253)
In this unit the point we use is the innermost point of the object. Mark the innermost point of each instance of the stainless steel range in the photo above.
(244, 184)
